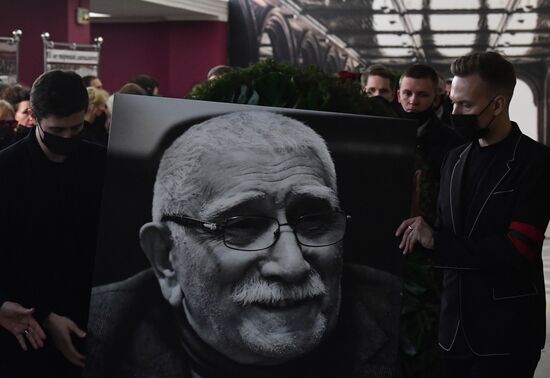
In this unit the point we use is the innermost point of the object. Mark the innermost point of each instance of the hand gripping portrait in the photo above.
(246, 249)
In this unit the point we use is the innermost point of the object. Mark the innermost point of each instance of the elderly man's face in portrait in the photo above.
(265, 286)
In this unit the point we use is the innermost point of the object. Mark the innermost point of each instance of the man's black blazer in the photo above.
(493, 285)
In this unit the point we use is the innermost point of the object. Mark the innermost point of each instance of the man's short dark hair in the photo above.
(421, 71)
(132, 88)
(147, 83)
(379, 70)
(87, 80)
(492, 68)
(58, 93)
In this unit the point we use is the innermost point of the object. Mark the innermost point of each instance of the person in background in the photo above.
(6, 111)
(132, 88)
(19, 97)
(218, 71)
(417, 94)
(7, 124)
(442, 105)
(3, 86)
(52, 182)
(150, 85)
(92, 81)
(379, 81)
(95, 119)
(128, 88)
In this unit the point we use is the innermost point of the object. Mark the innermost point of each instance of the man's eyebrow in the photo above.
(315, 192)
(223, 205)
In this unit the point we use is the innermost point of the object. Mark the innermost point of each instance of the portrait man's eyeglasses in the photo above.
(255, 233)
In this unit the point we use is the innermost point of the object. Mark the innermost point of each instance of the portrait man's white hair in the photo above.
(180, 177)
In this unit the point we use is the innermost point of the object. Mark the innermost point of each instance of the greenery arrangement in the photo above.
(421, 298)
(418, 347)
(270, 83)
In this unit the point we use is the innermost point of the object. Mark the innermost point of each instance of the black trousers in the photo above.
(46, 362)
(513, 366)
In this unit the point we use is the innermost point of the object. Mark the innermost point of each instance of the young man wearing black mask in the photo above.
(418, 87)
(417, 92)
(51, 190)
(493, 210)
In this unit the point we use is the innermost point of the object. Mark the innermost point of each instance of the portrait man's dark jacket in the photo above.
(490, 246)
(134, 332)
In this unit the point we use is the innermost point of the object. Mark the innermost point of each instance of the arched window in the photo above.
(523, 109)
(266, 47)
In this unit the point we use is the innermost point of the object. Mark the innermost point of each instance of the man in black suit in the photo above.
(493, 209)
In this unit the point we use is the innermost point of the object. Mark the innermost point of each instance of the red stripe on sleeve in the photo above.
(532, 232)
(522, 248)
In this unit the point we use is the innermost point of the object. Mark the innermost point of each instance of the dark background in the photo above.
(374, 160)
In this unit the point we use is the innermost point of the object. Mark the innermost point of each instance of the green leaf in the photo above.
(274, 88)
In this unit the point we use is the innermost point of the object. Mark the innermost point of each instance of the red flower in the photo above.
(347, 75)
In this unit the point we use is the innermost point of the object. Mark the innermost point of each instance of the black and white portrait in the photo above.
(241, 241)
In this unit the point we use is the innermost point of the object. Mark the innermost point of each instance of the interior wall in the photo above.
(177, 54)
(57, 17)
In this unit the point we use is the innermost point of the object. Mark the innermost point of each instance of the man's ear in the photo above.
(438, 100)
(156, 242)
(500, 105)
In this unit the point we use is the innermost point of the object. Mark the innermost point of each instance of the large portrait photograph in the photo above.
(247, 241)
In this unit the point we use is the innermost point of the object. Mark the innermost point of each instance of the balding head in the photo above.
(182, 185)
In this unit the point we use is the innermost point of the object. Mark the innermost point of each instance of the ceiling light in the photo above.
(98, 15)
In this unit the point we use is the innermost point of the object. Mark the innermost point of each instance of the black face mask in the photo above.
(421, 117)
(467, 125)
(384, 101)
(59, 145)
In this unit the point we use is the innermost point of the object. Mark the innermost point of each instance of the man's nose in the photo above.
(286, 261)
